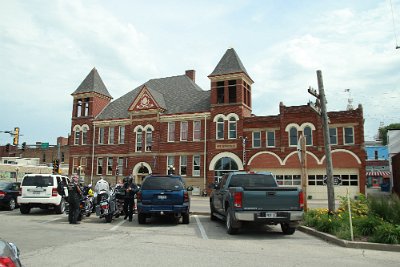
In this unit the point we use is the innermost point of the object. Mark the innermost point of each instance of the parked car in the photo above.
(9, 192)
(163, 195)
(9, 254)
(256, 197)
(43, 191)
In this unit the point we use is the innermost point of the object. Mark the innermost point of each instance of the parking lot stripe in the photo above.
(52, 220)
(116, 226)
(201, 228)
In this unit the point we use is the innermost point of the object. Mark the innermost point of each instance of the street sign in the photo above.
(44, 145)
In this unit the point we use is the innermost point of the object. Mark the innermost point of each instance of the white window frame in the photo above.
(109, 166)
(297, 136)
(84, 135)
(99, 165)
(267, 139)
(254, 139)
(220, 122)
(170, 161)
(344, 135)
(184, 131)
(196, 167)
(139, 137)
(310, 136)
(120, 165)
(111, 131)
(232, 128)
(183, 163)
(77, 136)
(196, 130)
(100, 140)
(148, 139)
(333, 136)
(171, 131)
(121, 134)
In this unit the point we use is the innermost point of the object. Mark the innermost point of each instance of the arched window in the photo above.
(224, 165)
(308, 135)
(139, 137)
(232, 128)
(77, 136)
(84, 135)
(220, 128)
(293, 136)
(149, 139)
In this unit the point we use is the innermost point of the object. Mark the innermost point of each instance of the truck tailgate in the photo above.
(271, 199)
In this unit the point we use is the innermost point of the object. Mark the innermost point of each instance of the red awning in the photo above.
(379, 173)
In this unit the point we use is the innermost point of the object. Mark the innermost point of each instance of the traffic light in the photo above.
(23, 146)
(8, 147)
(56, 166)
(16, 136)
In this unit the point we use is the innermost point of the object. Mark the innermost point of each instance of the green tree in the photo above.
(383, 131)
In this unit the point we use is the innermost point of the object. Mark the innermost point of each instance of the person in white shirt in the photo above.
(102, 186)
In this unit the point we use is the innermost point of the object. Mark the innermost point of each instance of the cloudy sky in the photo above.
(48, 47)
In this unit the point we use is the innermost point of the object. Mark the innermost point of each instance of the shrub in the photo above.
(359, 206)
(387, 208)
(366, 225)
(386, 233)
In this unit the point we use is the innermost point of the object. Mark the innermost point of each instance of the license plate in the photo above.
(267, 215)
(162, 197)
(36, 192)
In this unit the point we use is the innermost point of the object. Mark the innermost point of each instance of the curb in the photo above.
(349, 244)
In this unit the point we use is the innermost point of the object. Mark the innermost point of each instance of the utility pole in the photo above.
(320, 108)
(301, 150)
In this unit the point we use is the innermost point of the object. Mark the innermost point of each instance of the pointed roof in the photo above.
(92, 83)
(229, 63)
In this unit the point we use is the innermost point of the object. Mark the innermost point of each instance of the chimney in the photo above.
(191, 74)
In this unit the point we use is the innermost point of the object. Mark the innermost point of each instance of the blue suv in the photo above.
(163, 195)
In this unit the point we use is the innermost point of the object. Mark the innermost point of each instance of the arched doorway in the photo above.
(141, 170)
(223, 163)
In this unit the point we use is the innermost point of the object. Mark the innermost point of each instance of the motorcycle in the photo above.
(85, 207)
(106, 206)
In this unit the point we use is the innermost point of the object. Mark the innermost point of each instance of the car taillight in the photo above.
(186, 197)
(237, 199)
(139, 196)
(2, 193)
(6, 262)
(104, 207)
(301, 200)
(54, 192)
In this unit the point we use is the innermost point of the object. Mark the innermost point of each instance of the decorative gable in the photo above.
(143, 101)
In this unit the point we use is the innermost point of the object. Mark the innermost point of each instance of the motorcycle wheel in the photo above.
(108, 218)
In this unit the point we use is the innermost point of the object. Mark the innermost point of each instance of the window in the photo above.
(293, 136)
(44, 157)
(232, 91)
(183, 165)
(171, 131)
(109, 166)
(99, 166)
(220, 92)
(232, 128)
(220, 128)
(256, 139)
(62, 156)
(308, 135)
(139, 137)
(196, 165)
(84, 135)
(316, 180)
(77, 136)
(222, 166)
(170, 164)
(83, 166)
(333, 136)
(149, 139)
(289, 180)
(79, 108)
(184, 130)
(101, 135)
(196, 130)
(376, 154)
(111, 135)
(246, 94)
(120, 165)
(86, 107)
(349, 180)
(121, 133)
(348, 135)
(270, 138)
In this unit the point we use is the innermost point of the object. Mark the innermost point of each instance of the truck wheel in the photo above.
(108, 218)
(212, 209)
(231, 224)
(287, 230)
(61, 207)
(141, 218)
(185, 218)
(24, 208)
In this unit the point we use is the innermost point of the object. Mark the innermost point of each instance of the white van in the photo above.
(42, 191)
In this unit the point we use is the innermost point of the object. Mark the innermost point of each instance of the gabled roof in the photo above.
(92, 83)
(229, 63)
(177, 94)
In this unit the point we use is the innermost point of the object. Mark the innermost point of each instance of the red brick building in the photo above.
(171, 124)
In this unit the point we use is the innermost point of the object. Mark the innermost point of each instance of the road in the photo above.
(47, 239)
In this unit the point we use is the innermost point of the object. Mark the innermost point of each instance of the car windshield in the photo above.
(38, 180)
(4, 185)
(161, 183)
(253, 180)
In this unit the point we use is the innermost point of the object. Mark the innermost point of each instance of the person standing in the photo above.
(74, 197)
(129, 202)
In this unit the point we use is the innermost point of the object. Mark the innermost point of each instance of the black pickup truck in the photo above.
(256, 197)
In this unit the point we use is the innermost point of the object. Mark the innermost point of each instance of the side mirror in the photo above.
(189, 188)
